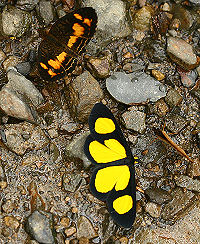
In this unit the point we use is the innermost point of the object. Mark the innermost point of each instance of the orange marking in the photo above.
(77, 16)
(55, 64)
(78, 29)
(51, 73)
(61, 57)
(72, 40)
(43, 66)
(87, 22)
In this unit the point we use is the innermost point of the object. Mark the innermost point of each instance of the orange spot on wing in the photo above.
(78, 29)
(54, 63)
(51, 73)
(72, 40)
(87, 22)
(61, 57)
(43, 66)
(77, 16)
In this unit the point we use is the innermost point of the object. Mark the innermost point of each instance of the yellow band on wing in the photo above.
(104, 126)
(123, 204)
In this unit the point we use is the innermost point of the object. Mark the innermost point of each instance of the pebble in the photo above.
(27, 5)
(39, 226)
(3, 181)
(134, 88)
(134, 120)
(188, 183)
(188, 79)
(181, 53)
(82, 94)
(160, 108)
(75, 149)
(158, 195)
(114, 11)
(72, 181)
(85, 228)
(70, 231)
(173, 98)
(8, 206)
(23, 68)
(175, 123)
(180, 201)
(15, 22)
(158, 75)
(46, 11)
(11, 222)
(153, 209)
(142, 17)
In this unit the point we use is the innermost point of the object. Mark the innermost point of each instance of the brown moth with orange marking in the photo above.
(59, 52)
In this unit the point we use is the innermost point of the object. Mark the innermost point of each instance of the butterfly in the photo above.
(59, 52)
(113, 177)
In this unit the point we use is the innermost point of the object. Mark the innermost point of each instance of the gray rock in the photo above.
(85, 228)
(188, 183)
(114, 12)
(134, 120)
(158, 195)
(75, 149)
(134, 88)
(46, 11)
(27, 5)
(39, 226)
(82, 94)
(188, 79)
(19, 97)
(23, 68)
(181, 52)
(196, 2)
(15, 22)
(173, 98)
(180, 201)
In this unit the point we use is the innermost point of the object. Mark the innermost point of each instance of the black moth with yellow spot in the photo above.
(113, 178)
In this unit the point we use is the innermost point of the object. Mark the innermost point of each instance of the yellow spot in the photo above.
(43, 66)
(104, 126)
(71, 41)
(61, 57)
(77, 16)
(111, 151)
(87, 22)
(54, 63)
(113, 176)
(78, 29)
(123, 204)
(51, 73)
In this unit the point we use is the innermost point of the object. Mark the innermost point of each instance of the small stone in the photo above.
(142, 17)
(160, 108)
(23, 68)
(11, 222)
(46, 11)
(137, 87)
(158, 75)
(175, 123)
(39, 226)
(8, 206)
(173, 98)
(15, 22)
(65, 222)
(70, 231)
(134, 120)
(153, 209)
(72, 181)
(27, 5)
(3, 182)
(188, 78)
(84, 240)
(188, 183)
(85, 229)
(99, 67)
(181, 53)
(82, 94)
(158, 195)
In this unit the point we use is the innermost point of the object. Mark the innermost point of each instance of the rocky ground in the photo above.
(143, 63)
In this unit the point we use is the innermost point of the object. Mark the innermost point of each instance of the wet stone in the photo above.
(75, 149)
(11, 222)
(134, 120)
(39, 226)
(142, 17)
(85, 228)
(158, 195)
(15, 21)
(188, 183)
(173, 98)
(180, 201)
(181, 53)
(153, 209)
(46, 11)
(82, 94)
(134, 88)
(72, 181)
